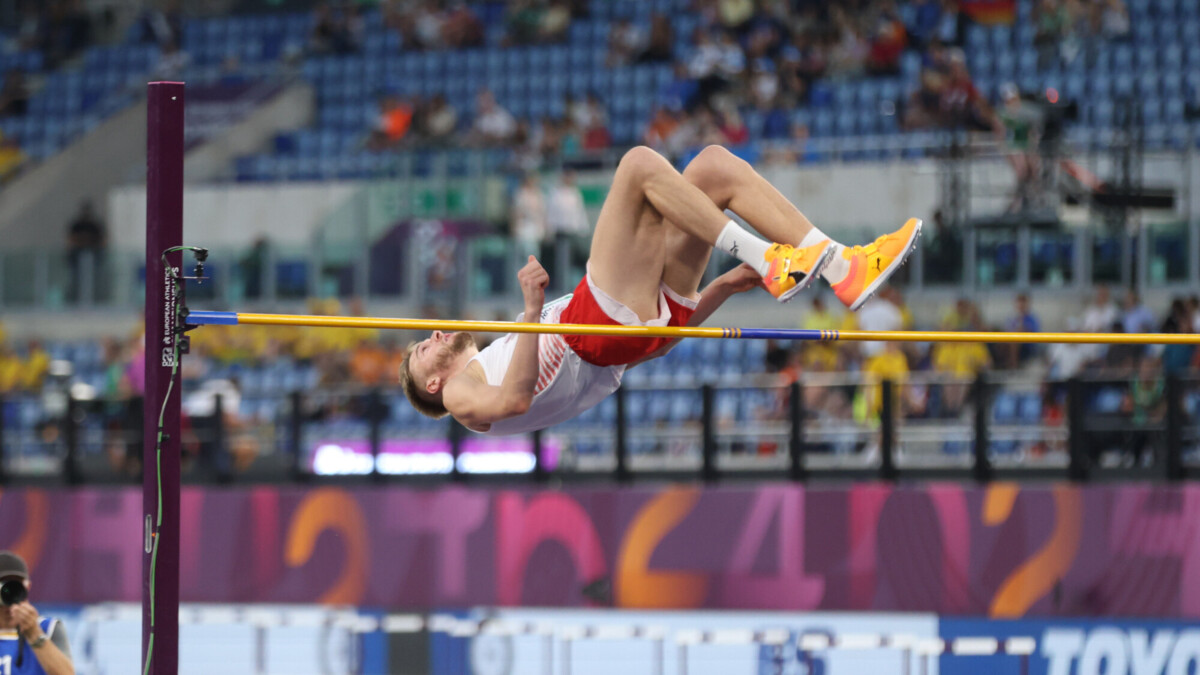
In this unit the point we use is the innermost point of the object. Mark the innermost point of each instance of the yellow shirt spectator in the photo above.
(889, 364)
(962, 359)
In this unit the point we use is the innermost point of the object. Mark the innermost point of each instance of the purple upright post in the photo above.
(160, 478)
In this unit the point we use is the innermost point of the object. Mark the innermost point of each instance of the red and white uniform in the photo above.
(578, 371)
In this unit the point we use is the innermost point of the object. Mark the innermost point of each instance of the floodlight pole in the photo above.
(164, 296)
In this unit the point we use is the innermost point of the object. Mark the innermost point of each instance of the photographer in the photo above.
(29, 644)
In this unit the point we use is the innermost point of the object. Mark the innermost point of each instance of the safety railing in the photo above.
(835, 426)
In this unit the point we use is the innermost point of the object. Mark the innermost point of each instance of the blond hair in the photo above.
(412, 391)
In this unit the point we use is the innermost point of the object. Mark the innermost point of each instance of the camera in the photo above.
(13, 592)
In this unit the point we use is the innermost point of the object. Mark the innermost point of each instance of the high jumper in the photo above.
(650, 248)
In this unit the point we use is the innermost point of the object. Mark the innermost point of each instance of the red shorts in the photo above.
(590, 305)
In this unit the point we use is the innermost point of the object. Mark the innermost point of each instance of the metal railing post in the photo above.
(1077, 469)
(981, 470)
(295, 431)
(796, 470)
(708, 468)
(71, 440)
(1172, 447)
(621, 442)
(3, 445)
(375, 420)
(222, 458)
(539, 467)
(887, 432)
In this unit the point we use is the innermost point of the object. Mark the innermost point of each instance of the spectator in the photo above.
(591, 119)
(1051, 23)
(881, 313)
(734, 14)
(660, 47)
(257, 260)
(527, 224)
(1145, 404)
(493, 125)
(461, 28)
(681, 92)
(848, 56)
(1121, 358)
(817, 355)
(440, 121)
(960, 360)
(952, 24)
(662, 126)
(172, 62)
(523, 21)
(427, 26)
(926, 15)
(887, 43)
(1137, 318)
(330, 34)
(943, 256)
(86, 242)
(733, 128)
(764, 84)
(14, 97)
(625, 42)
(1099, 315)
(961, 104)
(567, 220)
(1024, 321)
(162, 26)
(1020, 124)
(393, 123)
(1114, 19)
(1177, 358)
(1067, 360)
(555, 22)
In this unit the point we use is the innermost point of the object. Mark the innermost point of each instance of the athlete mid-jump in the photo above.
(650, 248)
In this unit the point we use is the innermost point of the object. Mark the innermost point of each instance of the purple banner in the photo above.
(1001, 551)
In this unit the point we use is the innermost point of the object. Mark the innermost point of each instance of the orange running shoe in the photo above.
(873, 264)
(794, 269)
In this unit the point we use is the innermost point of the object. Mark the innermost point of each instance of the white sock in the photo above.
(744, 246)
(839, 267)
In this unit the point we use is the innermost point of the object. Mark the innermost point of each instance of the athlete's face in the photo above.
(433, 355)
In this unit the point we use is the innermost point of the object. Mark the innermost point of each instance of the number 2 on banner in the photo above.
(1038, 575)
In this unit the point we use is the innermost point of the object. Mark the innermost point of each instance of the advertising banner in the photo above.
(1000, 551)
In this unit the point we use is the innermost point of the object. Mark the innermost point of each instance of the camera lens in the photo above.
(13, 592)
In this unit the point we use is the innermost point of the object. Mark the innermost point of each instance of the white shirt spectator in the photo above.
(1099, 318)
(529, 217)
(882, 315)
(565, 212)
(203, 402)
(496, 124)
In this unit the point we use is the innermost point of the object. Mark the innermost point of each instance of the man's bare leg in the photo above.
(628, 255)
(854, 274)
(731, 183)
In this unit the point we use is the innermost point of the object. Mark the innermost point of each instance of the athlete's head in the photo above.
(428, 364)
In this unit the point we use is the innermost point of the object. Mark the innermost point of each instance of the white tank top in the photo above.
(567, 385)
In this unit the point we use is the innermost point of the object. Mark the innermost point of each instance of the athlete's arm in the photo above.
(477, 404)
(737, 280)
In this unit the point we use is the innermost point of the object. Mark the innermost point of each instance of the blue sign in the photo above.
(1075, 647)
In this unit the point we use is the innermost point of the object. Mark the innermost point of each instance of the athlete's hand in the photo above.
(741, 279)
(25, 616)
(533, 279)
